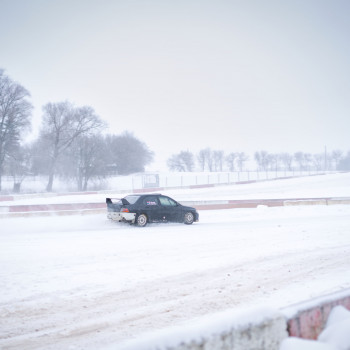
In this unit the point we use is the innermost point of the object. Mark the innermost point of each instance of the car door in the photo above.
(170, 210)
(151, 208)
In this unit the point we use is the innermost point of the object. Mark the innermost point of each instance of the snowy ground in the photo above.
(81, 282)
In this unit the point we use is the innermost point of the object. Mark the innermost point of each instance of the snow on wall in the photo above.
(256, 329)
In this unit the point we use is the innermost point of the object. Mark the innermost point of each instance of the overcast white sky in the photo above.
(187, 74)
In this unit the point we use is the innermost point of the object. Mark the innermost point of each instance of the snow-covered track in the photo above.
(85, 282)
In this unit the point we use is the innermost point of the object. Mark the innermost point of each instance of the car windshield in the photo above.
(132, 199)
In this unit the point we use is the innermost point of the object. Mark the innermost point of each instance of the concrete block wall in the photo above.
(259, 329)
(307, 320)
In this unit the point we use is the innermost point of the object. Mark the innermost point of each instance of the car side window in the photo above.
(150, 201)
(167, 202)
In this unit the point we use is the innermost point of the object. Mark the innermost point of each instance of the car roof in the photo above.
(151, 194)
(144, 194)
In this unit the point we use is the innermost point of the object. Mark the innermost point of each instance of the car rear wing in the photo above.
(117, 200)
(112, 200)
(116, 203)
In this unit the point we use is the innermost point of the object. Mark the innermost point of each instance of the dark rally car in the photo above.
(140, 209)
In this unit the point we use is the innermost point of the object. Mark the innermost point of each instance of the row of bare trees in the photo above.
(216, 160)
(69, 144)
(207, 160)
(299, 160)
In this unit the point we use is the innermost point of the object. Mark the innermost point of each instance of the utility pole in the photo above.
(325, 158)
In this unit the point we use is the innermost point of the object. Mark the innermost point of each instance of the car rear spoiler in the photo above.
(112, 200)
(115, 200)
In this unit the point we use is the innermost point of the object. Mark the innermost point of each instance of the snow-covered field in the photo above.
(81, 282)
(335, 185)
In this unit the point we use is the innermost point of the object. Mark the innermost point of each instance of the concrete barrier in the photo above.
(52, 209)
(6, 198)
(320, 201)
(256, 329)
(344, 200)
(307, 320)
(53, 213)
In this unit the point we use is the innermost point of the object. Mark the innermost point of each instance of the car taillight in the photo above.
(125, 210)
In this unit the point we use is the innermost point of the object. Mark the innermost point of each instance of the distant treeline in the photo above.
(216, 160)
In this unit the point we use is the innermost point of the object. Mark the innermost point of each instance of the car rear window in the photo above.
(132, 199)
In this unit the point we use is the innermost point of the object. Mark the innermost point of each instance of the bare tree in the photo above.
(62, 124)
(86, 159)
(127, 153)
(241, 159)
(15, 111)
(231, 160)
(18, 165)
(205, 158)
(262, 158)
(308, 160)
(218, 160)
(318, 161)
(303, 159)
(183, 161)
(201, 157)
(287, 160)
(336, 157)
(274, 161)
(210, 159)
(175, 163)
(299, 158)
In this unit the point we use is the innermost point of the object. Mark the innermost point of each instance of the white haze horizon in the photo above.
(186, 75)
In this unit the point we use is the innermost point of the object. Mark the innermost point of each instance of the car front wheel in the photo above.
(189, 218)
(141, 220)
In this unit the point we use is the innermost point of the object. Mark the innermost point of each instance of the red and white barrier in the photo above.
(308, 319)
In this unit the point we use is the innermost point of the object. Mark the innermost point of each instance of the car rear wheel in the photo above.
(188, 218)
(141, 220)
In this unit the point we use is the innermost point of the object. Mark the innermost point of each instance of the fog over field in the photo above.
(237, 76)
